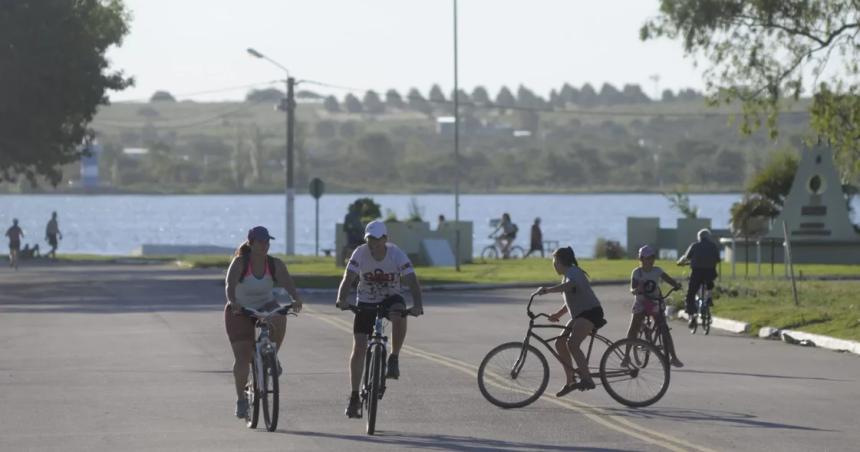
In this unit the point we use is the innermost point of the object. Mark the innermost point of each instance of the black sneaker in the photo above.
(692, 322)
(353, 410)
(393, 371)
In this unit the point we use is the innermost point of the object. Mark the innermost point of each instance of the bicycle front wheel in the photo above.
(628, 383)
(513, 375)
(252, 396)
(517, 252)
(489, 252)
(269, 393)
(377, 361)
(640, 355)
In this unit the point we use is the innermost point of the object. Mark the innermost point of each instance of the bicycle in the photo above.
(373, 379)
(495, 250)
(654, 329)
(703, 311)
(265, 369)
(518, 372)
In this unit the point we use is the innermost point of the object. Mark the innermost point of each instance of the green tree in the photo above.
(264, 95)
(436, 95)
(679, 200)
(761, 52)
(54, 76)
(372, 103)
(331, 105)
(393, 99)
(162, 96)
(505, 98)
(774, 181)
(418, 103)
(480, 95)
(352, 104)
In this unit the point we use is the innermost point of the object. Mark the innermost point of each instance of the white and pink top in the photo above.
(253, 292)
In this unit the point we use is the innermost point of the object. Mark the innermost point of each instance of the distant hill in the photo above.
(517, 143)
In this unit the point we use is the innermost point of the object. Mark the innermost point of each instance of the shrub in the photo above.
(608, 249)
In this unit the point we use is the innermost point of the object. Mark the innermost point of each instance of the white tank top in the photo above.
(253, 292)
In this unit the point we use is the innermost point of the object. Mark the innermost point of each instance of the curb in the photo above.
(788, 336)
(817, 340)
(720, 323)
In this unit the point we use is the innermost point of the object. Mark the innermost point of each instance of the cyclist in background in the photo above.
(645, 285)
(380, 267)
(250, 279)
(506, 238)
(703, 257)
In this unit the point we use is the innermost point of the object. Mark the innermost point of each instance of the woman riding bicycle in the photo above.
(645, 286)
(506, 238)
(586, 316)
(250, 279)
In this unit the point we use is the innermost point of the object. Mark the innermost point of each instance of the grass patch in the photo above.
(831, 308)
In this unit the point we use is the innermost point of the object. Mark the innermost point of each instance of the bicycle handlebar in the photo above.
(265, 315)
(378, 308)
(660, 297)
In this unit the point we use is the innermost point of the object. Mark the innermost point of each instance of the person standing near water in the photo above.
(53, 235)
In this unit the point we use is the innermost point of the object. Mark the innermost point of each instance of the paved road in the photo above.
(135, 358)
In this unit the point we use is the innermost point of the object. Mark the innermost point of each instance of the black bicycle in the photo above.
(373, 378)
(263, 379)
(655, 328)
(703, 311)
(515, 374)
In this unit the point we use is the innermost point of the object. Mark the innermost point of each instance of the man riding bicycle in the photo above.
(380, 268)
(703, 257)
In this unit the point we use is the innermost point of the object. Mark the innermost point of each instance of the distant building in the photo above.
(135, 152)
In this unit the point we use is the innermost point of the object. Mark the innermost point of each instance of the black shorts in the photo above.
(15, 245)
(595, 316)
(364, 320)
(52, 240)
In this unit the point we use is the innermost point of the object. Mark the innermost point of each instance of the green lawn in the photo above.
(831, 308)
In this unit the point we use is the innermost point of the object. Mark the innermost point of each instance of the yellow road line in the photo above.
(593, 413)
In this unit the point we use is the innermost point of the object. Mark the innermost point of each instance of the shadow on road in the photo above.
(446, 442)
(709, 416)
(744, 374)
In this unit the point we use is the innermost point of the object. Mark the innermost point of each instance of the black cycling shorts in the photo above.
(364, 320)
(595, 316)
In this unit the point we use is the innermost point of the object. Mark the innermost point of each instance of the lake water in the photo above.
(117, 224)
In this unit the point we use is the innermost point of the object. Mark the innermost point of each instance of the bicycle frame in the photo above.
(546, 341)
(264, 346)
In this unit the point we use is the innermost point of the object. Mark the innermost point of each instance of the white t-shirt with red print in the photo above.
(378, 280)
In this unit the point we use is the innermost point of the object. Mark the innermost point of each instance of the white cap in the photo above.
(375, 229)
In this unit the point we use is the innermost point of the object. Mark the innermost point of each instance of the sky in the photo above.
(196, 49)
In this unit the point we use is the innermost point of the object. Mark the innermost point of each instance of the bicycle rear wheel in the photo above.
(513, 375)
(634, 385)
(252, 396)
(489, 252)
(516, 252)
(269, 393)
(377, 361)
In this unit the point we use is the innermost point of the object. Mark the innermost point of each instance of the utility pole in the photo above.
(291, 187)
(456, 148)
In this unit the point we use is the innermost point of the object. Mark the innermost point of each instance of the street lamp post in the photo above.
(456, 147)
(289, 108)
